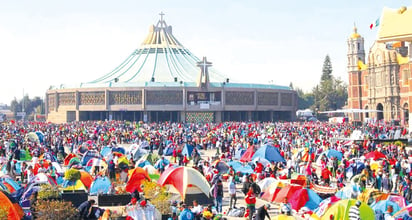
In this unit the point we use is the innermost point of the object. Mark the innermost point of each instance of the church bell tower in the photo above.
(356, 59)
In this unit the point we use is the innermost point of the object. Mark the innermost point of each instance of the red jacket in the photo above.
(250, 198)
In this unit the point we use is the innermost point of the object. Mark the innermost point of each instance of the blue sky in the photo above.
(47, 42)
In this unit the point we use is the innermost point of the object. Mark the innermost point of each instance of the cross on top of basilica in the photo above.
(204, 73)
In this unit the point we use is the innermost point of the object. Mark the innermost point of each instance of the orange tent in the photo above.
(86, 178)
(136, 179)
(13, 212)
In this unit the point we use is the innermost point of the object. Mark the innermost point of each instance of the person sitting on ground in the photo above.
(197, 210)
(262, 212)
(285, 207)
(389, 212)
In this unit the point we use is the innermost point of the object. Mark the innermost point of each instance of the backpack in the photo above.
(256, 189)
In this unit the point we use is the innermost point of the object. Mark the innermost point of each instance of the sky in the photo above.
(47, 43)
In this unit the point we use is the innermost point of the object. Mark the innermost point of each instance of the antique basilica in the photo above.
(380, 81)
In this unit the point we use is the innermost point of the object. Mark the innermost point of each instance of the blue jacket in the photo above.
(186, 214)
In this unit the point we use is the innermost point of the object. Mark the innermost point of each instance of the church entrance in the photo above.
(379, 107)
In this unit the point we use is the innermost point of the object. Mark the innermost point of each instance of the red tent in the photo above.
(298, 199)
(68, 158)
(287, 191)
(375, 155)
(247, 156)
(136, 179)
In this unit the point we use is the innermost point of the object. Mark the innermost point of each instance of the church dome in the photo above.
(355, 34)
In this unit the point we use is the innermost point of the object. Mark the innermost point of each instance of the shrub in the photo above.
(4, 213)
(48, 192)
(157, 195)
(50, 210)
(72, 175)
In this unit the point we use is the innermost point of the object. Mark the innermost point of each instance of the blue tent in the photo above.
(333, 153)
(119, 150)
(269, 153)
(187, 150)
(314, 200)
(348, 191)
(354, 169)
(100, 185)
(168, 151)
(144, 163)
(40, 135)
(105, 151)
(89, 155)
(383, 205)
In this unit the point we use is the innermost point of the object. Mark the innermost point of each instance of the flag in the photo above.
(361, 65)
(401, 59)
(376, 24)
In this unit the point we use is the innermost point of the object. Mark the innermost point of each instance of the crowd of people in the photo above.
(301, 144)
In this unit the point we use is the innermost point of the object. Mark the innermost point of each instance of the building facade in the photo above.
(380, 81)
(164, 81)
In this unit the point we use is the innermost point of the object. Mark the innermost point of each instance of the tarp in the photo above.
(136, 178)
(340, 210)
(183, 178)
(100, 185)
(5, 203)
(269, 153)
(239, 167)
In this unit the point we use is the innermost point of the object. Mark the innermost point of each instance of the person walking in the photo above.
(218, 195)
(250, 200)
(232, 193)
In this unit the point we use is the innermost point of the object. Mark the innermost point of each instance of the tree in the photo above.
(35, 105)
(327, 69)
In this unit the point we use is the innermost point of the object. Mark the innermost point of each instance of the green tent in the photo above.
(340, 210)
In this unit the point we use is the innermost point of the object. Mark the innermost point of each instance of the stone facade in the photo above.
(382, 87)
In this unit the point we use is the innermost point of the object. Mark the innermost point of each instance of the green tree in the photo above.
(35, 105)
(327, 69)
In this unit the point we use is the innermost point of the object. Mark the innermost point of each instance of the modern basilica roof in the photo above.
(161, 61)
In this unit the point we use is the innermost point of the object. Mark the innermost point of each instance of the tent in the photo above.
(270, 192)
(106, 151)
(247, 156)
(398, 199)
(404, 211)
(188, 182)
(325, 205)
(269, 153)
(25, 155)
(76, 185)
(100, 185)
(266, 182)
(119, 150)
(68, 158)
(221, 166)
(32, 136)
(348, 192)
(10, 183)
(89, 155)
(187, 150)
(152, 171)
(375, 155)
(288, 192)
(42, 178)
(136, 178)
(40, 136)
(86, 178)
(354, 169)
(13, 212)
(168, 151)
(383, 205)
(74, 161)
(340, 210)
(95, 162)
(239, 153)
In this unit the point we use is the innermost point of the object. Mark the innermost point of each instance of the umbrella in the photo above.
(375, 155)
